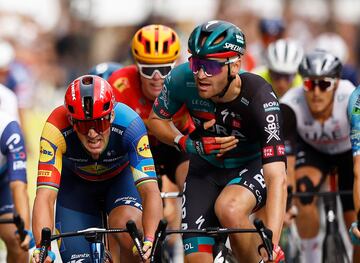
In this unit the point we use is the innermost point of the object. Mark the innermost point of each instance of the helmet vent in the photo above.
(106, 106)
(71, 109)
(156, 46)
(88, 107)
(166, 47)
(147, 46)
(87, 80)
(139, 36)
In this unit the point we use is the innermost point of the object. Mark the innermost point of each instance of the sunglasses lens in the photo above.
(323, 85)
(210, 67)
(99, 125)
(149, 72)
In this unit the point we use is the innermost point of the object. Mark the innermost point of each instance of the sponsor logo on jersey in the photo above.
(148, 168)
(164, 113)
(272, 127)
(47, 152)
(268, 151)
(143, 147)
(19, 155)
(19, 165)
(121, 84)
(280, 150)
(12, 142)
(244, 101)
(271, 106)
(164, 96)
(44, 173)
(356, 110)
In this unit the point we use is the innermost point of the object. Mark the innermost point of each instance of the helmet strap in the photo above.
(229, 80)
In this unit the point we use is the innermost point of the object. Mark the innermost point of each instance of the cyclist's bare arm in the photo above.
(276, 183)
(43, 212)
(152, 207)
(21, 203)
(163, 129)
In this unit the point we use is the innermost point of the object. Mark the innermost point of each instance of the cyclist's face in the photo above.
(93, 141)
(320, 101)
(210, 86)
(281, 82)
(151, 88)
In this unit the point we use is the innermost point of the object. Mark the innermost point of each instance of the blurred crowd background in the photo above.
(55, 41)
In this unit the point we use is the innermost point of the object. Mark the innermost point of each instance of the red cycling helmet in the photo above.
(89, 97)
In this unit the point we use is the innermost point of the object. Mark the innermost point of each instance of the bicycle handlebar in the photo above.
(265, 234)
(46, 236)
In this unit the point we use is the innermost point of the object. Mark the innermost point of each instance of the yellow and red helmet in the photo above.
(155, 44)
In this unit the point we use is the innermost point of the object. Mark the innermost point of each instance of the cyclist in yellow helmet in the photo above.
(155, 49)
(283, 58)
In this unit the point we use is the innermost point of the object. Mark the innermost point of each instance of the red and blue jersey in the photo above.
(128, 146)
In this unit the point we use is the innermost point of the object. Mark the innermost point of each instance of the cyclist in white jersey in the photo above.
(317, 111)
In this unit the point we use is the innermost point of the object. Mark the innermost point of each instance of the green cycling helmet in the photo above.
(217, 39)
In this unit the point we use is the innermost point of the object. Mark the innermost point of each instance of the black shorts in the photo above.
(167, 159)
(203, 185)
(306, 155)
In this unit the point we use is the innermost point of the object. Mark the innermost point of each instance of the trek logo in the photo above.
(272, 128)
(102, 89)
(233, 47)
(73, 92)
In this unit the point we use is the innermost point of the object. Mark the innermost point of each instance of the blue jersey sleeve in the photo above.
(354, 118)
(140, 156)
(13, 147)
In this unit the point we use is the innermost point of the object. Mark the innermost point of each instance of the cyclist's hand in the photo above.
(28, 242)
(36, 259)
(278, 254)
(354, 234)
(196, 144)
(147, 245)
(147, 249)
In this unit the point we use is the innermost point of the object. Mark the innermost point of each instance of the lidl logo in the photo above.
(47, 152)
(143, 147)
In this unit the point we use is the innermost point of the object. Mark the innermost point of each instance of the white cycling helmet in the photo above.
(7, 54)
(284, 56)
(333, 43)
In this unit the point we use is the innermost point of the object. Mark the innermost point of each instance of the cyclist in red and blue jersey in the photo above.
(94, 151)
(237, 152)
(13, 187)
